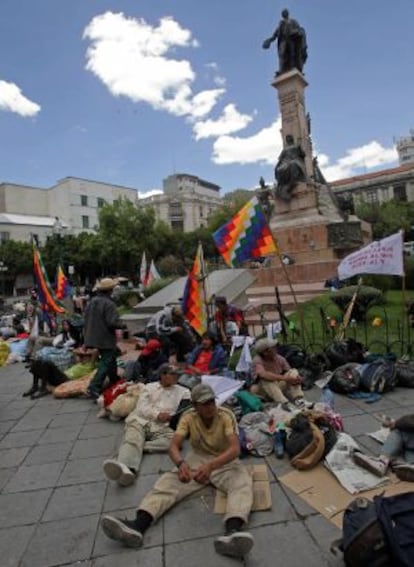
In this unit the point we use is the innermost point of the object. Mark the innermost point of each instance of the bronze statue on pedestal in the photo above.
(291, 44)
(290, 169)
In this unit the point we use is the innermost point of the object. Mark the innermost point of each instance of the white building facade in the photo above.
(186, 203)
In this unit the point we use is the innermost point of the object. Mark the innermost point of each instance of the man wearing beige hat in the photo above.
(101, 322)
(213, 458)
(275, 378)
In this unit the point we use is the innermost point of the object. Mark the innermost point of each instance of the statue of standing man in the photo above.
(291, 44)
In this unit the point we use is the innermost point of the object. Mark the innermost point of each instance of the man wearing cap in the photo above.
(145, 367)
(226, 317)
(101, 322)
(276, 379)
(170, 326)
(147, 426)
(213, 458)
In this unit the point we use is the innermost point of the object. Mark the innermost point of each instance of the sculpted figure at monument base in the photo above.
(290, 169)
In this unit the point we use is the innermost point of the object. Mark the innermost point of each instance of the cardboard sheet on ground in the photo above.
(320, 489)
(223, 387)
(262, 498)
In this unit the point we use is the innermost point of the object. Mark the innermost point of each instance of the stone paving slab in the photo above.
(53, 491)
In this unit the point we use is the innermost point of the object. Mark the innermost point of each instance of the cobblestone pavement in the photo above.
(53, 492)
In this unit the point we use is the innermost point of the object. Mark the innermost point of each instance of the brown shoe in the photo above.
(372, 464)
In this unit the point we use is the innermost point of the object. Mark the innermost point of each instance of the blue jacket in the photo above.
(218, 360)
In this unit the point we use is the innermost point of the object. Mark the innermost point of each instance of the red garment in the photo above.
(203, 361)
(112, 392)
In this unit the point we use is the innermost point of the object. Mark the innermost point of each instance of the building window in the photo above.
(371, 196)
(175, 210)
(4, 236)
(101, 202)
(85, 221)
(201, 212)
(84, 200)
(400, 193)
(177, 226)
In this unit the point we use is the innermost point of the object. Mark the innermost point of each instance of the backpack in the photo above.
(345, 379)
(310, 439)
(378, 533)
(378, 376)
(295, 356)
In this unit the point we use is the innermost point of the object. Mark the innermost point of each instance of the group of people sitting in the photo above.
(174, 404)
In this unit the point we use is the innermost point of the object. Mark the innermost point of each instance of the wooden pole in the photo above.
(297, 305)
(348, 313)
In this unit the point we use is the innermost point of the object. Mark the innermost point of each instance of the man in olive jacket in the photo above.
(101, 321)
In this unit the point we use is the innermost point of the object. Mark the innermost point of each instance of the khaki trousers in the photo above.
(233, 479)
(149, 438)
(280, 391)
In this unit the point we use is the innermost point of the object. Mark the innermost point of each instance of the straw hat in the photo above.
(264, 344)
(106, 284)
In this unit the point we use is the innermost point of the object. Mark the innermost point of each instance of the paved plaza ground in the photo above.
(53, 492)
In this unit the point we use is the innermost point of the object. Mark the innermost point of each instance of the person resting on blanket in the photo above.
(399, 443)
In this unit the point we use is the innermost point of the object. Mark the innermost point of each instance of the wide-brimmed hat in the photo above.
(264, 344)
(202, 393)
(151, 346)
(106, 284)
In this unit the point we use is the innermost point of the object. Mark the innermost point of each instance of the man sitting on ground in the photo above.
(226, 316)
(206, 358)
(400, 442)
(213, 458)
(275, 378)
(145, 367)
(147, 426)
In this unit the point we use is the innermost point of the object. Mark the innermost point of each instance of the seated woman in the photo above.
(49, 363)
(67, 338)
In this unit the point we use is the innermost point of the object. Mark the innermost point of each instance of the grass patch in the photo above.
(323, 321)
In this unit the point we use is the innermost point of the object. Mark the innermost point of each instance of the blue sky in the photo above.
(130, 91)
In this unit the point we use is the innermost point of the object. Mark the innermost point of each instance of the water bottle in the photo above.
(280, 440)
(327, 398)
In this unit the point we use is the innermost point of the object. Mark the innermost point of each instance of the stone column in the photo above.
(291, 91)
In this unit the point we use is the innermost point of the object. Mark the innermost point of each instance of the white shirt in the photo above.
(155, 399)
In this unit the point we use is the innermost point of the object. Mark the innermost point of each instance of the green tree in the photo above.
(125, 231)
(388, 217)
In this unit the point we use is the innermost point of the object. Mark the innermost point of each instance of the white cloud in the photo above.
(263, 147)
(230, 121)
(131, 58)
(12, 100)
(358, 160)
(149, 193)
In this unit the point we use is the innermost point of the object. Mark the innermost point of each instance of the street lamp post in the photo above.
(3, 270)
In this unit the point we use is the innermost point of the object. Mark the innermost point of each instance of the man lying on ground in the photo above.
(213, 458)
(147, 426)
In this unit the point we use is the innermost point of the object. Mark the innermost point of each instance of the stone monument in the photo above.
(307, 221)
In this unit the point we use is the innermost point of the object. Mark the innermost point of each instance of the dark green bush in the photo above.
(366, 298)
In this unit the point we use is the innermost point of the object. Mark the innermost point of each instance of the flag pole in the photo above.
(341, 333)
(295, 300)
(204, 286)
(406, 318)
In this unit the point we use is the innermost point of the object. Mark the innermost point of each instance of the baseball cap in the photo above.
(169, 369)
(151, 346)
(202, 393)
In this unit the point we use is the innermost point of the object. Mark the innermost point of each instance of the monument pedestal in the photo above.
(309, 226)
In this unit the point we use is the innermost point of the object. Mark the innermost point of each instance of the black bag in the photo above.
(378, 376)
(378, 533)
(405, 374)
(341, 352)
(295, 356)
(345, 379)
